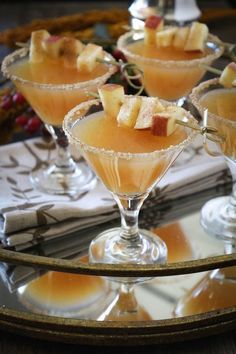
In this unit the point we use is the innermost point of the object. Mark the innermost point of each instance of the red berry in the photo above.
(6, 103)
(33, 125)
(117, 54)
(18, 98)
(21, 120)
(30, 111)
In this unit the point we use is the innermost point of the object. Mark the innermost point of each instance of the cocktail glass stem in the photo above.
(63, 160)
(125, 307)
(129, 211)
(63, 175)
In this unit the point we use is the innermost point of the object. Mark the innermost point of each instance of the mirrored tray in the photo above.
(70, 300)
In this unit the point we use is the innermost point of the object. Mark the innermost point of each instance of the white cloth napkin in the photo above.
(29, 216)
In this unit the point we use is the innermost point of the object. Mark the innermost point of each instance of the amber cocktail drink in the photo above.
(52, 89)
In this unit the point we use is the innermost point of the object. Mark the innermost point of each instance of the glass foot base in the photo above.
(214, 220)
(109, 248)
(52, 181)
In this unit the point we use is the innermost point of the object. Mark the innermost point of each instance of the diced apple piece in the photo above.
(176, 111)
(87, 59)
(36, 51)
(149, 107)
(152, 25)
(112, 97)
(165, 37)
(129, 111)
(163, 124)
(154, 22)
(228, 75)
(71, 48)
(52, 46)
(197, 37)
(180, 37)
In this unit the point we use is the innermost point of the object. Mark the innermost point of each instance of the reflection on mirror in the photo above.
(216, 290)
(67, 295)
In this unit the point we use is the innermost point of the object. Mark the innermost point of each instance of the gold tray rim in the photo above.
(117, 332)
(74, 266)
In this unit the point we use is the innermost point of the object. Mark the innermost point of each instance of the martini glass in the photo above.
(129, 175)
(168, 76)
(51, 101)
(218, 216)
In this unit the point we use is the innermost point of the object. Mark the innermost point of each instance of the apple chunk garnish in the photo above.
(228, 76)
(36, 50)
(87, 60)
(149, 106)
(197, 37)
(70, 49)
(165, 37)
(52, 46)
(152, 25)
(112, 97)
(129, 111)
(180, 37)
(154, 22)
(164, 123)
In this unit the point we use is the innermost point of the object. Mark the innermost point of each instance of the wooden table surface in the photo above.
(222, 23)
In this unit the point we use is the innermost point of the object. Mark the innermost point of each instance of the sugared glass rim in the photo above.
(79, 109)
(213, 41)
(199, 91)
(23, 52)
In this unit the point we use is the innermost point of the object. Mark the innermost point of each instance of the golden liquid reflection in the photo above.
(177, 242)
(216, 290)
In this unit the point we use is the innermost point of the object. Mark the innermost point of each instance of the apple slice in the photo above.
(52, 46)
(149, 106)
(36, 51)
(152, 25)
(164, 123)
(176, 111)
(70, 49)
(180, 37)
(112, 97)
(228, 75)
(165, 37)
(129, 111)
(87, 59)
(197, 37)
